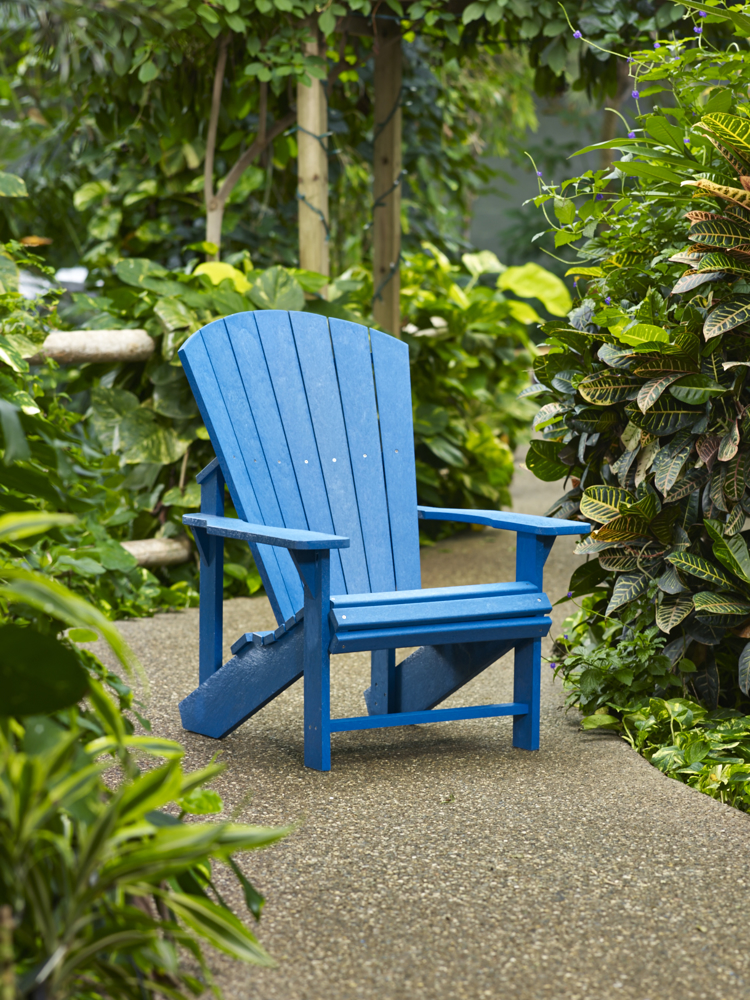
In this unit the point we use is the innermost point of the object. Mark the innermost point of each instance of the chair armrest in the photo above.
(529, 524)
(261, 534)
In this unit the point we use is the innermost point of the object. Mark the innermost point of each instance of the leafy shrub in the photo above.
(646, 381)
(104, 890)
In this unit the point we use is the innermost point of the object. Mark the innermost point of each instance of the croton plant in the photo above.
(650, 423)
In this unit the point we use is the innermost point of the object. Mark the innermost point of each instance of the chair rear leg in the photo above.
(527, 676)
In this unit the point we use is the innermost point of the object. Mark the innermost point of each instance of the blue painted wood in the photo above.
(527, 678)
(530, 523)
(531, 555)
(235, 355)
(351, 349)
(434, 715)
(211, 609)
(433, 673)
(437, 612)
(280, 353)
(382, 696)
(340, 601)
(390, 359)
(431, 635)
(243, 686)
(315, 571)
(220, 424)
(288, 538)
(324, 400)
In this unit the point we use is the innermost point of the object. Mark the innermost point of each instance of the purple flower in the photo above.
(600, 197)
(552, 666)
(570, 593)
(565, 635)
(686, 140)
(656, 45)
(608, 300)
(577, 34)
(631, 135)
(630, 59)
(702, 13)
(636, 94)
(539, 173)
(698, 29)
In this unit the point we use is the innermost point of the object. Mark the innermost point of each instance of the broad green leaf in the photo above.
(602, 503)
(727, 316)
(151, 790)
(665, 417)
(606, 388)
(219, 926)
(641, 333)
(702, 568)
(17, 526)
(730, 443)
(201, 802)
(38, 674)
(743, 673)
(737, 548)
(585, 272)
(482, 262)
(601, 722)
(627, 588)
(12, 186)
(218, 272)
(542, 460)
(174, 314)
(634, 168)
(146, 440)
(532, 281)
(650, 392)
(445, 451)
(672, 611)
(276, 289)
(91, 193)
(695, 278)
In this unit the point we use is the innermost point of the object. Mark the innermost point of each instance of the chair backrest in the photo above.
(311, 421)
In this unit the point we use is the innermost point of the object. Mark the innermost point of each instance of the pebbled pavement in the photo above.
(437, 862)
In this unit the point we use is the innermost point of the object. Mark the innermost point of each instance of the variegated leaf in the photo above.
(665, 417)
(645, 458)
(602, 503)
(736, 195)
(617, 561)
(727, 316)
(725, 234)
(627, 588)
(621, 467)
(606, 388)
(532, 390)
(743, 675)
(693, 481)
(651, 391)
(616, 355)
(693, 279)
(702, 568)
(625, 528)
(589, 546)
(670, 460)
(696, 389)
(716, 488)
(731, 130)
(729, 443)
(550, 413)
(736, 476)
(663, 524)
(698, 215)
(672, 611)
(665, 365)
(719, 260)
(735, 521)
(647, 507)
(711, 605)
(670, 582)
(707, 446)
(737, 548)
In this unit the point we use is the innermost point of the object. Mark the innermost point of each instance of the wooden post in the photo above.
(387, 171)
(312, 172)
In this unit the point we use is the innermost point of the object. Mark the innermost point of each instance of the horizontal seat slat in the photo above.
(427, 594)
(429, 612)
(358, 640)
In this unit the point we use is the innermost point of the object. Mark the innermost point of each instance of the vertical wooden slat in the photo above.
(393, 388)
(386, 172)
(280, 353)
(324, 400)
(351, 349)
(221, 427)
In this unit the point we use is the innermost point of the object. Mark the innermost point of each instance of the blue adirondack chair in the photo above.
(311, 423)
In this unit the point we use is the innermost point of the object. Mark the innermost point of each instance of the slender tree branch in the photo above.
(263, 112)
(213, 125)
(251, 154)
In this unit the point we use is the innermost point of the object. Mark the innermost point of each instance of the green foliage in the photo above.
(108, 889)
(644, 386)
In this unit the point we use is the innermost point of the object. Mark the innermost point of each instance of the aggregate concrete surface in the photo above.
(438, 862)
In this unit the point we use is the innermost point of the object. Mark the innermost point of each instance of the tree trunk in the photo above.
(312, 173)
(214, 220)
(387, 174)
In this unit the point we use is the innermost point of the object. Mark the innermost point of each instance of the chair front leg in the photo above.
(527, 678)
(211, 550)
(314, 568)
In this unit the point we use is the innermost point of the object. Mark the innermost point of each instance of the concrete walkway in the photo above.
(438, 862)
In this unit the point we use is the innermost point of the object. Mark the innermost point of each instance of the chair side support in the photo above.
(211, 549)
